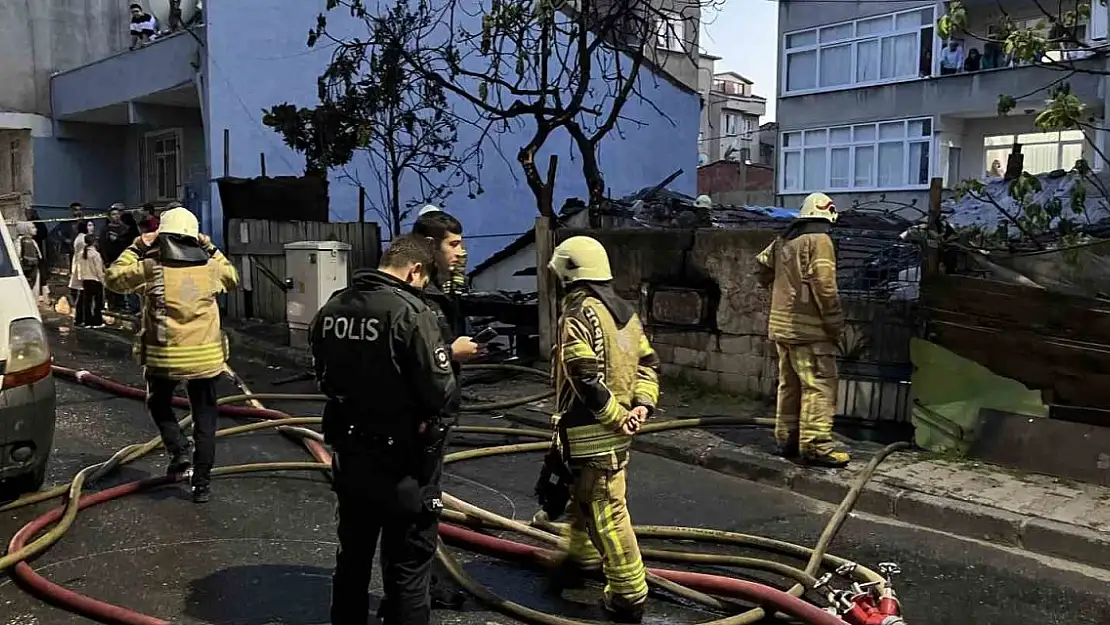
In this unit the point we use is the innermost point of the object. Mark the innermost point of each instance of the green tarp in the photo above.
(948, 391)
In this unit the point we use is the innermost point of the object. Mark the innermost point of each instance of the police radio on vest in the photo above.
(351, 328)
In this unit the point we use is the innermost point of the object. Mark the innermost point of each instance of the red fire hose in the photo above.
(105, 612)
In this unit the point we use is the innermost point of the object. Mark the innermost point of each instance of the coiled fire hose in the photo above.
(697, 587)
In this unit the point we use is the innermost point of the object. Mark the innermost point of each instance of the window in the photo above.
(670, 33)
(161, 159)
(862, 157)
(15, 163)
(732, 125)
(1043, 151)
(868, 51)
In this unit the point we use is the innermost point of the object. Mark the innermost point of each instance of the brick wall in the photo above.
(729, 362)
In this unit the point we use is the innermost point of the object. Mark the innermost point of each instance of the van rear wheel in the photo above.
(31, 482)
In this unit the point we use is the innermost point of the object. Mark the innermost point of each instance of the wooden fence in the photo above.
(257, 248)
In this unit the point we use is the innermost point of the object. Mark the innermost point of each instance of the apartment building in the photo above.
(730, 115)
(865, 108)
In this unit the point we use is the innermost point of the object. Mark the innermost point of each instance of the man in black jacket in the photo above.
(117, 236)
(380, 359)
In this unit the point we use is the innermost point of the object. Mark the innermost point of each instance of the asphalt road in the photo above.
(261, 552)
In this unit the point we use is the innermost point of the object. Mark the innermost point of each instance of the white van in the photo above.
(27, 396)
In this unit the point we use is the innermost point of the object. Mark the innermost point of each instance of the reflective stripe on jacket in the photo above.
(601, 371)
(800, 268)
(179, 337)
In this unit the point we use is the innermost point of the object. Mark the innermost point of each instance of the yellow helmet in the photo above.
(818, 206)
(179, 221)
(580, 259)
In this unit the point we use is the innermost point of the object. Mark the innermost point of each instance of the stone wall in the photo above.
(730, 350)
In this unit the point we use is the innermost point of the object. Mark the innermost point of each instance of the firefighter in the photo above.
(180, 273)
(805, 323)
(606, 380)
(381, 361)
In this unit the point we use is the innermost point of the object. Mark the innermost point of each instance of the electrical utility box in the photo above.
(314, 270)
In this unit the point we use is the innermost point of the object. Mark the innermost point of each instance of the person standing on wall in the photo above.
(380, 359)
(606, 378)
(181, 273)
(805, 323)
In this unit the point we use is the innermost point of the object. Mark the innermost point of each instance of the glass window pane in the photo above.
(840, 168)
(921, 128)
(815, 137)
(1041, 158)
(840, 135)
(791, 171)
(836, 66)
(997, 154)
(1071, 135)
(806, 38)
(864, 162)
(998, 140)
(864, 132)
(892, 130)
(867, 60)
(836, 33)
(1039, 137)
(919, 163)
(814, 170)
(899, 57)
(892, 172)
(873, 26)
(801, 70)
(926, 17)
(1069, 153)
(791, 139)
(907, 21)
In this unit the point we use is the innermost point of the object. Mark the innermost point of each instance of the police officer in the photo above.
(445, 232)
(381, 361)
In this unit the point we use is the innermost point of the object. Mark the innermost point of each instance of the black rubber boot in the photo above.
(566, 576)
(444, 595)
(788, 449)
(181, 461)
(202, 493)
(620, 612)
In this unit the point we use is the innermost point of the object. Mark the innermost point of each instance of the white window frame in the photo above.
(736, 120)
(854, 41)
(1060, 142)
(15, 164)
(148, 163)
(798, 148)
(670, 32)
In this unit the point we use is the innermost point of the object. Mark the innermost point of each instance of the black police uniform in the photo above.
(381, 360)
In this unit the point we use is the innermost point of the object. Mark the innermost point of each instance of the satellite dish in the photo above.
(160, 9)
(703, 158)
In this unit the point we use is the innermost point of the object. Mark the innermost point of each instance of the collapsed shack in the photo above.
(1025, 329)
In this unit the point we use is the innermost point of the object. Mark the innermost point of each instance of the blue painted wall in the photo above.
(89, 170)
(250, 69)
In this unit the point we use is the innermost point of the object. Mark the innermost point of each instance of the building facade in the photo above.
(730, 116)
(163, 122)
(872, 103)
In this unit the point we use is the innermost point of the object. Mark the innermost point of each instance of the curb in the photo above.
(969, 520)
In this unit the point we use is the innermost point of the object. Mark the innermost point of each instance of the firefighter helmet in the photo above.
(179, 221)
(580, 259)
(428, 208)
(818, 206)
(703, 201)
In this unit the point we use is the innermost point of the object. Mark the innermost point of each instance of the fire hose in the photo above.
(872, 603)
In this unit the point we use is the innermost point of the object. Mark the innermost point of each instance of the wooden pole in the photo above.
(932, 229)
(545, 244)
(227, 152)
(262, 163)
(361, 204)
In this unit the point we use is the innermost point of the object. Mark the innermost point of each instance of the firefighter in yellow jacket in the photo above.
(179, 272)
(606, 380)
(805, 323)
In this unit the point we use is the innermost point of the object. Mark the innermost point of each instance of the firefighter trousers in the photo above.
(601, 533)
(807, 395)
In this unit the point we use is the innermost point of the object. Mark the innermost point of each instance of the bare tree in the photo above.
(402, 125)
(542, 65)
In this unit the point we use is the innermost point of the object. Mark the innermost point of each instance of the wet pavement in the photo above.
(261, 552)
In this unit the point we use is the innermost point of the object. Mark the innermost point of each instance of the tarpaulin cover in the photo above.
(948, 392)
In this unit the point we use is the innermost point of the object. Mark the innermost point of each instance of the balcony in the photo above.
(161, 73)
(968, 94)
